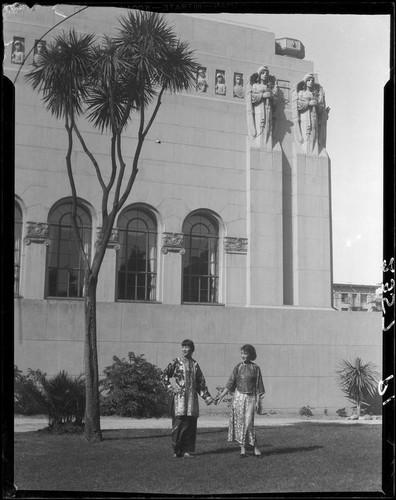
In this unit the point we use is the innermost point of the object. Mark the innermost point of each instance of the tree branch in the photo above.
(120, 174)
(74, 193)
(141, 136)
(157, 106)
(90, 156)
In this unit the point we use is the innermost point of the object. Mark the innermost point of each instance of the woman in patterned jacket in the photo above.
(190, 382)
(246, 383)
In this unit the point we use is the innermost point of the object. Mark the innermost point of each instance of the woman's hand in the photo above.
(175, 390)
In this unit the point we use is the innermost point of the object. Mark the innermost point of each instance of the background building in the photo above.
(224, 240)
(349, 297)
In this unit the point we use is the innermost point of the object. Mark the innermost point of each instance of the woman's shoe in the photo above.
(243, 455)
(257, 453)
(187, 455)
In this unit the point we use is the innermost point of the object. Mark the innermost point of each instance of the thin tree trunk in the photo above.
(92, 429)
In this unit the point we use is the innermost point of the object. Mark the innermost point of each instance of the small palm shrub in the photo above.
(61, 398)
(133, 387)
(358, 381)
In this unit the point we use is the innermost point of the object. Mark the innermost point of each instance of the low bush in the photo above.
(61, 398)
(374, 404)
(305, 411)
(133, 387)
(342, 412)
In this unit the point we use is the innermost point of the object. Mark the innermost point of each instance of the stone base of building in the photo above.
(298, 349)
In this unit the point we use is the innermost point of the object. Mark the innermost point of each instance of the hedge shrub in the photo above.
(133, 387)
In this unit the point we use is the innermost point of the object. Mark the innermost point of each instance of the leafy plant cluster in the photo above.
(61, 398)
(305, 411)
(133, 387)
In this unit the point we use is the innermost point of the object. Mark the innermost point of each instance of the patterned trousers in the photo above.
(241, 425)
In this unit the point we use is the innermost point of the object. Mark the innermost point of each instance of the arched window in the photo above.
(17, 246)
(137, 257)
(65, 272)
(200, 261)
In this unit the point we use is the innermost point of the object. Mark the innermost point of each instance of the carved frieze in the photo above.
(235, 245)
(173, 242)
(37, 232)
(113, 241)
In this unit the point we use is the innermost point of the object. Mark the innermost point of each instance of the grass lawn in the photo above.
(304, 457)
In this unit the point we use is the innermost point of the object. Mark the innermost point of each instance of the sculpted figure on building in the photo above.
(261, 101)
(310, 113)
(238, 86)
(220, 87)
(202, 82)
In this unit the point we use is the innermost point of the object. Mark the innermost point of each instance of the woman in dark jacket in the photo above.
(190, 383)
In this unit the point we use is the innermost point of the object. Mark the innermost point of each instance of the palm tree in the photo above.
(107, 82)
(357, 381)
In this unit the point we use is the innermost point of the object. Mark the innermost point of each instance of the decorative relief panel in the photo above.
(173, 242)
(220, 85)
(235, 245)
(238, 90)
(37, 232)
(202, 82)
(113, 241)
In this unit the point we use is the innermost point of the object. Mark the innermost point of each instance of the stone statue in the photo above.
(261, 101)
(238, 90)
(309, 113)
(220, 87)
(202, 82)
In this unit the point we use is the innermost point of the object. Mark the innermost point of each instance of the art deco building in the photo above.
(226, 236)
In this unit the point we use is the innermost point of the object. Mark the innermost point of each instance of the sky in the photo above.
(351, 58)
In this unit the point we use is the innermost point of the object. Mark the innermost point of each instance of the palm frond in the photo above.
(159, 58)
(63, 72)
(178, 69)
(123, 73)
(357, 380)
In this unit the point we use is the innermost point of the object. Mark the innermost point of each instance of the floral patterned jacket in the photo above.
(190, 382)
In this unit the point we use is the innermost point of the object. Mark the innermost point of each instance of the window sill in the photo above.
(202, 304)
(124, 301)
(65, 298)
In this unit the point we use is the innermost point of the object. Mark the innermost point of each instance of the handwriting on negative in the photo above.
(386, 288)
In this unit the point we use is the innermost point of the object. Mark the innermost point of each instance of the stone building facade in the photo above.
(226, 236)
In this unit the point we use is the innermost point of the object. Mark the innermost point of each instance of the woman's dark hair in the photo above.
(190, 344)
(250, 351)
